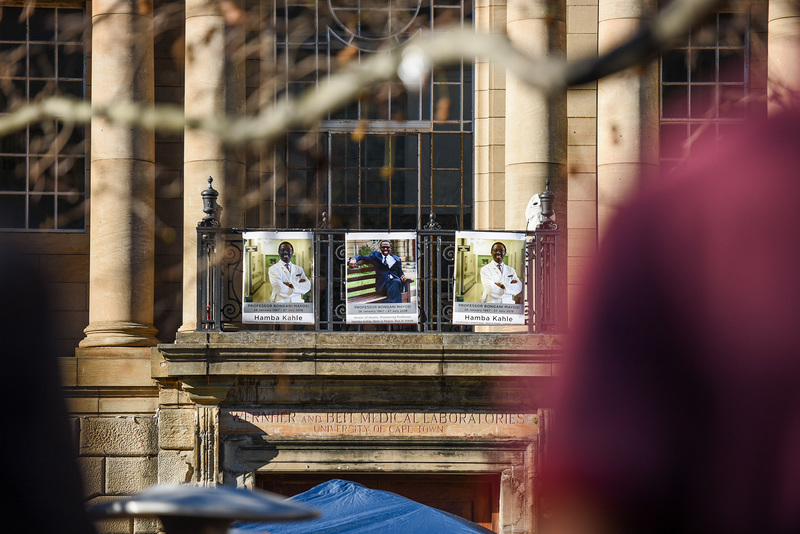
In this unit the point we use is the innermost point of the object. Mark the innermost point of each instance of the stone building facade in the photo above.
(155, 400)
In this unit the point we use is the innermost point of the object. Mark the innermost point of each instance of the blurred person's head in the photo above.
(678, 407)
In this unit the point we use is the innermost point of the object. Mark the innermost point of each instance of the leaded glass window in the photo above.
(704, 86)
(389, 159)
(42, 167)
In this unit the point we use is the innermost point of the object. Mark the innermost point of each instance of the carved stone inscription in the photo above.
(422, 424)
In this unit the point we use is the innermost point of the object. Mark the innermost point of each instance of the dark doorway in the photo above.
(473, 497)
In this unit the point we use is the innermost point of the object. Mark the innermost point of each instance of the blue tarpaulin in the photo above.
(349, 508)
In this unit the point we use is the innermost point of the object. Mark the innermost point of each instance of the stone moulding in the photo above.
(358, 354)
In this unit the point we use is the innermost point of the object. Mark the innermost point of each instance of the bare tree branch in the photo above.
(410, 63)
(674, 21)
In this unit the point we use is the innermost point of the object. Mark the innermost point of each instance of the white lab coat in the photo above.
(491, 275)
(278, 274)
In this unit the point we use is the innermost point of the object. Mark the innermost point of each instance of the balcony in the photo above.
(331, 361)
(221, 268)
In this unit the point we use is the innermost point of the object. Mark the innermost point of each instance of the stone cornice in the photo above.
(357, 354)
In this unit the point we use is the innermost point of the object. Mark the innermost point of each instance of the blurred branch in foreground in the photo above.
(411, 63)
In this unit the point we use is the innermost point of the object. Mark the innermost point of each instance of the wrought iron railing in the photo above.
(221, 267)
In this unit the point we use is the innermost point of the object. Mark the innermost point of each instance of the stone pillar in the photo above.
(214, 87)
(516, 497)
(538, 452)
(176, 434)
(627, 111)
(207, 395)
(536, 138)
(490, 123)
(122, 234)
(783, 45)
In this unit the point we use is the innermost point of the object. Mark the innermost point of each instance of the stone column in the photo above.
(490, 123)
(122, 237)
(627, 111)
(783, 45)
(214, 87)
(536, 123)
(536, 138)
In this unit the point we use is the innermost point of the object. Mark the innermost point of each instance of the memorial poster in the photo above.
(381, 277)
(489, 278)
(277, 277)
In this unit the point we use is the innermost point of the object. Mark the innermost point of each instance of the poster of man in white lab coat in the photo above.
(489, 278)
(289, 281)
(277, 278)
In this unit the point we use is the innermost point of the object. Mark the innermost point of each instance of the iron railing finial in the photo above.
(210, 206)
(547, 198)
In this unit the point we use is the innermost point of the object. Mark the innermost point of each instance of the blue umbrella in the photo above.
(349, 508)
